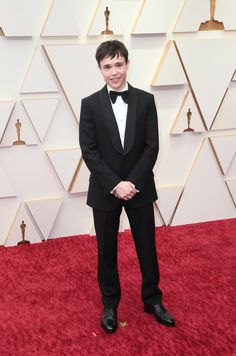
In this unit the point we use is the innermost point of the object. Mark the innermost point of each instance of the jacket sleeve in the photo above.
(143, 168)
(91, 155)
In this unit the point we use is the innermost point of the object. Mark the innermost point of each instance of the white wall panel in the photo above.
(6, 108)
(27, 131)
(74, 217)
(204, 60)
(167, 202)
(15, 57)
(225, 147)
(41, 113)
(63, 131)
(182, 121)
(76, 17)
(77, 71)
(177, 152)
(65, 163)
(122, 16)
(226, 116)
(24, 17)
(225, 11)
(48, 66)
(81, 180)
(231, 183)
(15, 234)
(197, 202)
(170, 70)
(30, 172)
(157, 16)
(6, 188)
(44, 213)
(38, 78)
(8, 210)
(144, 58)
(231, 173)
(193, 13)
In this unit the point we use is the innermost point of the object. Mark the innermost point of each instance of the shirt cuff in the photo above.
(112, 191)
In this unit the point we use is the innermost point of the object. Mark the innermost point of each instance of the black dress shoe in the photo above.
(160, 313)
(109, 320)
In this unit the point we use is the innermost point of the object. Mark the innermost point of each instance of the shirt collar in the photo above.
(110, 89)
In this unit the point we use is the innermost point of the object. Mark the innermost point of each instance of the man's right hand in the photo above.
(125, 190)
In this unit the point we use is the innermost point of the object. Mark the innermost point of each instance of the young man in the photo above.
(119, 142)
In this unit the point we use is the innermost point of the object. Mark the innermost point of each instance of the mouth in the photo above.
(115, 79)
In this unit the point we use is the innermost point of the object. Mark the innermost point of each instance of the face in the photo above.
(114, 71)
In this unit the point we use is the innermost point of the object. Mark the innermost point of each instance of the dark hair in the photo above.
(111, 49)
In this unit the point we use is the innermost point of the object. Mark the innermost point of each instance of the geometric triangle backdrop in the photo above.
(197, 202)
(15, 233)
(65, 163)
(38, 78)
(41, 112)
(44, 213)
(226, 116)
(225, 148)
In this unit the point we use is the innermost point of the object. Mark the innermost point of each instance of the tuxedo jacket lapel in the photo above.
(130, 121)
(110, 119)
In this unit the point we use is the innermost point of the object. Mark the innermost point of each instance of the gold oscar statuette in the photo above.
(2, 34)
(107, 15)
(189, 116)
(212, 24)
(18, 129)
(23, 227)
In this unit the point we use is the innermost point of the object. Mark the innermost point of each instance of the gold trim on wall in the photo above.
(190, 86)
(158, 70)
(160, 214)
(138, 16)
(2, 34)
(216, 157)
(222, 100)
(12, 223)
(33, 219)
(178, 17)
(70, 185)
(7, 123)
(226, 182)
(186, 180)
(27, 70)
(175, 209)
(75, 175)
(46, 20)
(232, 80)
(93, 17)
(179, 112)
(58, 80)
(161, 62)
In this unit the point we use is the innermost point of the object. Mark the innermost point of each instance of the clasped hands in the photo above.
(125, 190)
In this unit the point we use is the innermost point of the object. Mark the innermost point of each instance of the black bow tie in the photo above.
(124, 94)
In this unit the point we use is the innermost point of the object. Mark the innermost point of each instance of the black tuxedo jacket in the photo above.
(104, 155)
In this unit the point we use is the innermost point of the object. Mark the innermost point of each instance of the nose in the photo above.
(113, 71)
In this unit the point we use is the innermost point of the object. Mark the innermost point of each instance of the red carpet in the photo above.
(50, 303)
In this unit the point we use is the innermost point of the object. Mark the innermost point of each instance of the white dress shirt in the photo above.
(120, 109)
